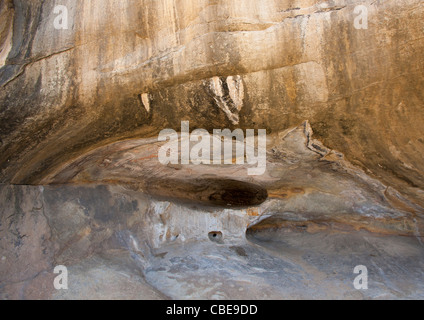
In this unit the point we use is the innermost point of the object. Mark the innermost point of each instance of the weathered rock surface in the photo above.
(81, 108)
(121, 244)
(303, 180)
(65, 91)
(135, 229)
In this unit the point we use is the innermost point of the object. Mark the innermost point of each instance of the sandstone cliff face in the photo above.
(66, 91)
(342, 106)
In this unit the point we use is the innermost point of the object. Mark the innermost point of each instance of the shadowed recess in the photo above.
(215, 192)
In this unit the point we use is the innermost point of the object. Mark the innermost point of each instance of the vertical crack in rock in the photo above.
(236, 91)
(228, 94)
(312, 144)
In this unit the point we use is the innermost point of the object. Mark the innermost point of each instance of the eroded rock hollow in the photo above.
(87, 88)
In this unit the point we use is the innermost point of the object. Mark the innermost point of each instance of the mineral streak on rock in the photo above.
(228, 94)
(6, 30)
(146, 101)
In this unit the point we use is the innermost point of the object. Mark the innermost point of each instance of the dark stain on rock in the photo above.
(238, 194)
(210, 192)
(240, 251)
(97, 202)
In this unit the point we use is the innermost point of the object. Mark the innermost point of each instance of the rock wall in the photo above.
(117, 243)
(64, 92)
(83, 98)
